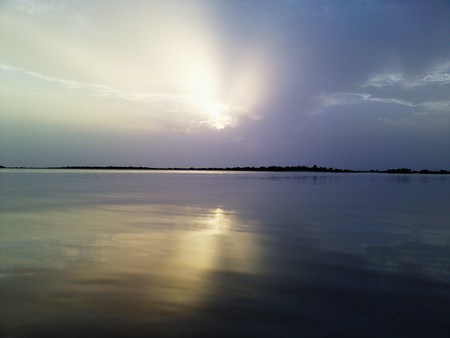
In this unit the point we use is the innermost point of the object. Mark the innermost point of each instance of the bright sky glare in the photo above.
(359, 84)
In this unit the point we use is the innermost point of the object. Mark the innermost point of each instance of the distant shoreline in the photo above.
(247, 169)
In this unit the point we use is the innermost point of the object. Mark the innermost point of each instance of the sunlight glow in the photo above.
(162, 68)
(220, 222)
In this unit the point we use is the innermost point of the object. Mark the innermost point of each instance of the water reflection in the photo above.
(220, 222)
(158, 260)
(254, 255)
(402, 179)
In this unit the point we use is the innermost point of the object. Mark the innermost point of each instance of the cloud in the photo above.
(442, 78)
(440, 75)
(193, 112)
(443, 106)
(398, 86)
(385, 80)
(398, 79)
(62, 82)
(346, 98)
(416, 112)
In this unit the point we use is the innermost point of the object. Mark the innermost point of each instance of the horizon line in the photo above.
(272, 168)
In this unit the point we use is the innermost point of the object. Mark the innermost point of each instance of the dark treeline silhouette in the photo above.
(269, 168)
(409, 171)
(302, 168)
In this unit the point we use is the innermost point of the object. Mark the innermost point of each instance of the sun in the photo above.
(218, 116)
(221, 122)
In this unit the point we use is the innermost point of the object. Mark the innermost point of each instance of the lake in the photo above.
(96, 253)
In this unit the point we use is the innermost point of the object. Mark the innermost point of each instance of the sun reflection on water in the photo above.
(219, 221)
(168, 255)
(181, 261)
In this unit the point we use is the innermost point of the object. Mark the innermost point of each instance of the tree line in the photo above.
(302, 168)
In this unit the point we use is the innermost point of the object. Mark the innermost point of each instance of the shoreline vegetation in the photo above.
(303, 168)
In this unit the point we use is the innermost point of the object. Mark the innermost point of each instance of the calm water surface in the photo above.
(212, 254)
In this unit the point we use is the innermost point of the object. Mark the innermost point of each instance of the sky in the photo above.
(358, 84)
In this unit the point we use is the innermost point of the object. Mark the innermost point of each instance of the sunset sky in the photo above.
(348, 84)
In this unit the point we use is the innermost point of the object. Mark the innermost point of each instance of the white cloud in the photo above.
(441, 78)
(418, 110)
(384, 80)
(390, 101)
(193, 112)
(443, 106)
(346, 98)
(438, 75)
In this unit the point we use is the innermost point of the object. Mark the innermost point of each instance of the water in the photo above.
(213, 254)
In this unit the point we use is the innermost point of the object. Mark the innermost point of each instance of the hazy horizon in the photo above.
(263, 168)
(345, 84)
